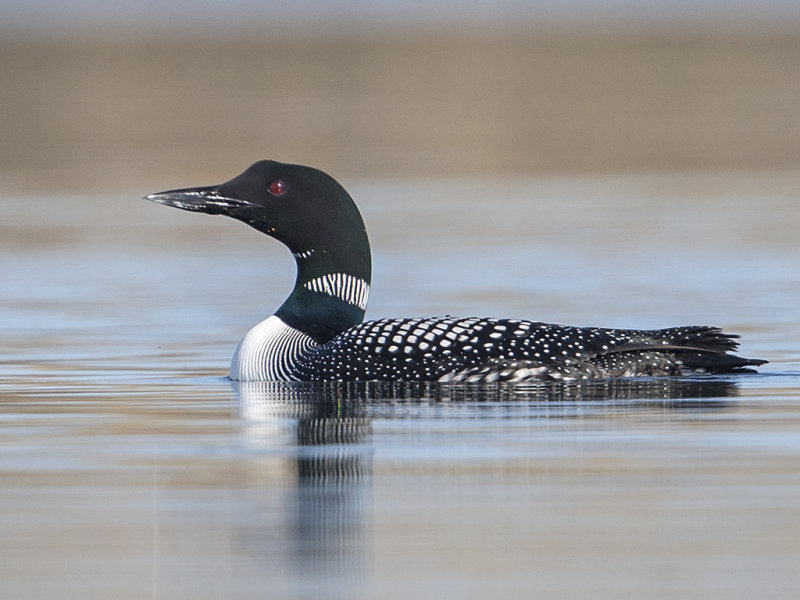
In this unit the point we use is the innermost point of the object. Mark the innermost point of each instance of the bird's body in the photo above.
(318, 333)
(475, 350)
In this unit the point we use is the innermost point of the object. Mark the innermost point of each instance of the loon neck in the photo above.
(331, 290)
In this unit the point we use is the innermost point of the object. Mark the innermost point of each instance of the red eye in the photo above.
(276, 188)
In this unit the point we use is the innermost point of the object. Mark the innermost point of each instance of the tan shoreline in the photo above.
(102, 116)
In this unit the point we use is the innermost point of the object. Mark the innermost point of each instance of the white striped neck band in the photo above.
(348, 288)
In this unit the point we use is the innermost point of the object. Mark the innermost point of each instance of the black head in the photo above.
(302, 207)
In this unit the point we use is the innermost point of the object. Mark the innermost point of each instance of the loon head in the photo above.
(312, 214)
(303, 207)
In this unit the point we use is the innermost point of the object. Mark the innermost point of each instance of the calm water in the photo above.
(132, 468)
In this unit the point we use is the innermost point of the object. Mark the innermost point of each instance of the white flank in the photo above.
(269, 351)
(351, 289)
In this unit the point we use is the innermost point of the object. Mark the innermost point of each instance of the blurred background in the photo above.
(641, 163)
(138, 95)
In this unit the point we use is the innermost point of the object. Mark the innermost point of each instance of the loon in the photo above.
(318, 333)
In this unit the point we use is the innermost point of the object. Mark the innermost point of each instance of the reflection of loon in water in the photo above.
(330, 450)
(318, 334)
(357, 401)
(333, 465)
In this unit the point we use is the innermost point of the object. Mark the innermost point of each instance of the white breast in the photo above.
(269, 351)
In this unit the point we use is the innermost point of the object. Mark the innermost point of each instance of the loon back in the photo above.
(317, 334)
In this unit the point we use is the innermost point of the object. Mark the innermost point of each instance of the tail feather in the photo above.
(695, 348)
(715, 362)
(702, 337)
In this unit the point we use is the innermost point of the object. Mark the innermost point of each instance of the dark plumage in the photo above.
(474, 349)
(317, 334)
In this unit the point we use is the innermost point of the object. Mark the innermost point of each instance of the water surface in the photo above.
(133, 468)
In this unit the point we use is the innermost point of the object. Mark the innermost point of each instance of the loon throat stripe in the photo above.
(351, 289)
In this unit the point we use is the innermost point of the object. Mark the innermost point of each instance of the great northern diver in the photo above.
(318, 335)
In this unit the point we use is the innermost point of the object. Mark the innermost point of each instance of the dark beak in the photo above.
(204, 199)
